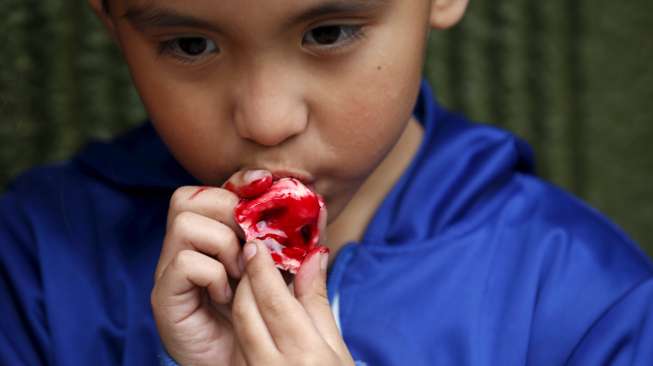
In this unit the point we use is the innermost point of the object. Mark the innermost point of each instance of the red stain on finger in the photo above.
(198, 191)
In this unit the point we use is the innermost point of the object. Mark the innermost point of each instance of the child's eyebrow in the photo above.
(336, 7)
(157, 17)
(160, 17)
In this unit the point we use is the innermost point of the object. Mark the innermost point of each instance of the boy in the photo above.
(444, 248)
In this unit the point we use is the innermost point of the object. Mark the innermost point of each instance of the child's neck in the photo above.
(352, 222)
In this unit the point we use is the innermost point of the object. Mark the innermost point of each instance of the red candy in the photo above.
(285, 218)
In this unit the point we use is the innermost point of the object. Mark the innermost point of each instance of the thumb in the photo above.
(310, 290)
(249, 183)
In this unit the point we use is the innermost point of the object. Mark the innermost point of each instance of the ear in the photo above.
(447, 13)
(104, 16)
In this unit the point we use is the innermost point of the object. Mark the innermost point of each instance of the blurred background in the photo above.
(574, 78)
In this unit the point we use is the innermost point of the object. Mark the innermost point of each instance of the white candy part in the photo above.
(262, 226)
(273, 245)
(288, 264)
(292, 187)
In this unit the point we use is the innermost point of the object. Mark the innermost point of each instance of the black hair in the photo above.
(105, 5)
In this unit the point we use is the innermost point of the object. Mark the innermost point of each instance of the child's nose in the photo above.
(269, 113)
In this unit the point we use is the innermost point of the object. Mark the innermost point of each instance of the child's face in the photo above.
(320, 88)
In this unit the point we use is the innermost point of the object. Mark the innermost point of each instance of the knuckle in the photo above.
(219, 271)
(318, 297)
(227, 234)
(275, 306)
(238, 312)
(321, 299)
(181, 223)
(321, 295)
(179, 197)
(229, 199)
(154, 299)
(157, 301)
(184, 260)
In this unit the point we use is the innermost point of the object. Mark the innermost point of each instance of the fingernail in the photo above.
(324, 261)
(228, 292)
(249, 251)
(254, 175)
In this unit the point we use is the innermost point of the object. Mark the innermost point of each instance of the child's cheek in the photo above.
(372, 122)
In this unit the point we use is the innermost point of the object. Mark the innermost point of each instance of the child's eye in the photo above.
(188, 49)
(331, 37)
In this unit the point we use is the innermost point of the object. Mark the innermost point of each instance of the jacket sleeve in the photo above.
(24, 338)
(623, 335)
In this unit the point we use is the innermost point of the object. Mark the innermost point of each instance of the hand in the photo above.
(201, 252)
(276, 327)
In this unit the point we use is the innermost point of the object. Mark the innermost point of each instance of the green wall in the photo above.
(575, 79)
(572, 77)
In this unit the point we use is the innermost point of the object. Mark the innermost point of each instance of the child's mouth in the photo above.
(306, 179)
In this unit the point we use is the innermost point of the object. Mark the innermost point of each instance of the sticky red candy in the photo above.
(285, 218)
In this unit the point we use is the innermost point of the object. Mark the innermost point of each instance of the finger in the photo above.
(212, 202)
(322, 220)
(285, 318)
(252, 333)
(249, 183)
(200, 233)
(175, 294)
(311, 292)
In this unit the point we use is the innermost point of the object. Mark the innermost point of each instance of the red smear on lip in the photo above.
(283, 215)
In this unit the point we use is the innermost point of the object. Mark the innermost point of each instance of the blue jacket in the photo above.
(470, 260)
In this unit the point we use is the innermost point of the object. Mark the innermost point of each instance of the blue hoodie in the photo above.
(470, 260)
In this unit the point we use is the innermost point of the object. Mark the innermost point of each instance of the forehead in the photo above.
(237, 15)
(249, 4)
